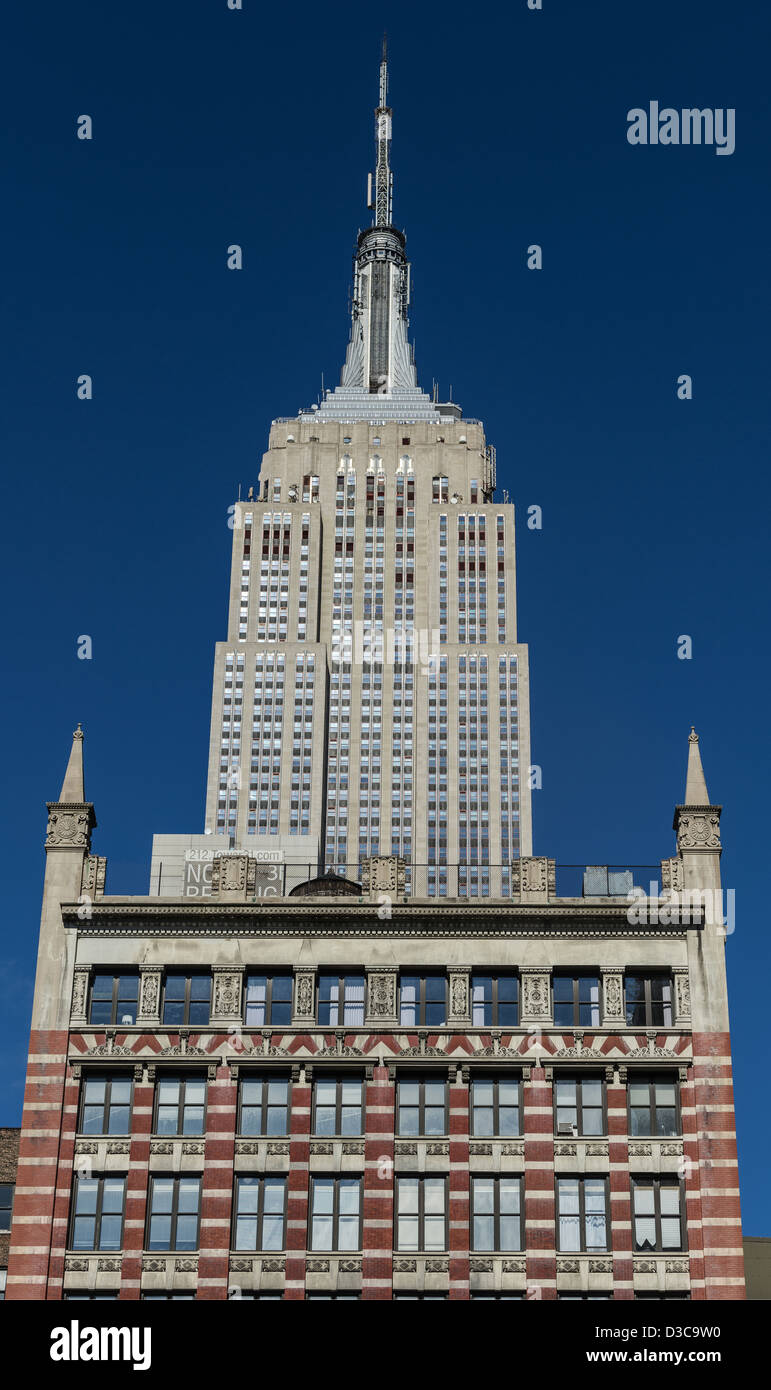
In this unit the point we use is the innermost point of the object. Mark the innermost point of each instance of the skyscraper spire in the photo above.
(384, 179)
(379, 378)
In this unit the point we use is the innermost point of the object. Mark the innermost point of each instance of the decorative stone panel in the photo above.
(78, 1012)
(698, 827)
(672, 877)
(383, 874)
(382, 998)
(534, 879)
(536, 995)
(460, 995)
(304, 997)
(682, 996)
(94, 875)
(70, 825)
(226, 995)
(149, 996)
(613, 996)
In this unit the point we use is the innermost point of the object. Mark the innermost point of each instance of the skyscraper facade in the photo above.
(356, 1041)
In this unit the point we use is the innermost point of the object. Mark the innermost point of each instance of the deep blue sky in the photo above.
(212, 127)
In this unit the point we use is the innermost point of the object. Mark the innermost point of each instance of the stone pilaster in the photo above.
(459, 1012)
(304, 1012)
(613, 1014)
(682, 991)
(149, 996)
(536, 996)
(382, 998)
(226, 995)
(79, 1014)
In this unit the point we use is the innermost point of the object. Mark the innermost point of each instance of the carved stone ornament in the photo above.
(645, 1266)
(437, 1266)
(317, 1266)
(600, 1266)
(513, 1266)
(94, 875)
(405, 1266)
(273, 1266)
(640, 1150)
(459, 995)
(72, 1266)
(682, 996)
(69, 826)
(613, 995)
(481, 1266)
(698, 828)
(303, 994)
(149, 996)
(676, 1267)
(240, 1265)
(79, 995)
(672, 876)
(383, 874)
(536, 1003)
(480, 1150)
(568, 1266)
(108, 1266)
(382, 995)
(226, 994)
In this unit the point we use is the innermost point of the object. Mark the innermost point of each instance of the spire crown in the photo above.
(696, 793)
(73, 787)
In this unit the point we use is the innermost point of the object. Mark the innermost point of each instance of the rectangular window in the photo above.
(582, 1213)
(653, 1107)
(180, 1105)
(657, 1214)
(421, 1214)
(259, 1221)
(423, 1000)
(338, 1105)
(422, 1107)
(495, 1106)
(494, 1000)
(269, 1000)
(105, 1104)
(576, 1001)
(341, 999)
(648, 1001)
(496, 1213)
(97, 1213)
(114, 999)
(579, 1105)
(335, 1214)
(6, 1205)
(186, 1000)
(264, 1105)
(174, 1212)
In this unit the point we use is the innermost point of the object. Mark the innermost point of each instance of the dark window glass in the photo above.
(114, 999)
(264, 1105)
(421, 1213)
(648, 1001)
(338, 1105)
(579, 1105)
(582, 1217)
(260, 1213)
(422, 1107)
(653, 1107)
(423, 1000)
(186, 1000)
(657, 1214)
(105, 1104)
(496, 1213)
(576, 1001)
(494, 1000)
(341, 999)
(173, 1213)
(335, 1213)
(495, 1106)
(269, 999)
(97, 1213)
(6, 1205)
(180, 1105)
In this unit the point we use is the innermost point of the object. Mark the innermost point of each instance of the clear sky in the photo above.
(213, 127)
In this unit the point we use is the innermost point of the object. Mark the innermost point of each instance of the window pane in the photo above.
(563, 989)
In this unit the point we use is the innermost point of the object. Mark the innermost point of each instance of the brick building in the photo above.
(357, 1041)
(9, 1155)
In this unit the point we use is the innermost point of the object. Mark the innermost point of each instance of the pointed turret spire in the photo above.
(384, 179)
(696, 793)
(73, 788)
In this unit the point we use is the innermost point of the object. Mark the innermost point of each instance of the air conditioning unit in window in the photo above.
(565, 1128)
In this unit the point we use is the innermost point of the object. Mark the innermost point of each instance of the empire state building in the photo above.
(371, 698)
